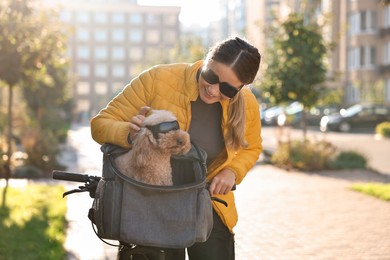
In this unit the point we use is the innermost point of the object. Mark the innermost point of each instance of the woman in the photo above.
(211, 102)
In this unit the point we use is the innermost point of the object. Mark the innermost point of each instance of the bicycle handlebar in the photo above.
(76, 177)
(69, 176)
(90, 181)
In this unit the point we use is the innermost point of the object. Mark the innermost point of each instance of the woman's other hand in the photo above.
(223, 182)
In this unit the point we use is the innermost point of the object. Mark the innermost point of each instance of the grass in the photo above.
(378, 190)
(32, 222)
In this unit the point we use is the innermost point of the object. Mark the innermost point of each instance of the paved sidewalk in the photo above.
(282, 215)
(285, 215)
(292, 215)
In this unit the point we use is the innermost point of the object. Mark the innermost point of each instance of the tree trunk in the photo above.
(10, 134)
(304, 124)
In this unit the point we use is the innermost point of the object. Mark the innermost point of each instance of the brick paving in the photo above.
(293, 215)
(282, 215)
(289, 215)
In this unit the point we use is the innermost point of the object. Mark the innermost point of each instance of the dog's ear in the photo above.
(142, 147)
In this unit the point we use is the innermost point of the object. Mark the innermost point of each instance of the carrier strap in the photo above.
(219, 200)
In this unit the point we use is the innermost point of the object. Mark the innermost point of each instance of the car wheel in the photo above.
(345, 127)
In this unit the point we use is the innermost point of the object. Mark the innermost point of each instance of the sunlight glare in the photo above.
(193, 12)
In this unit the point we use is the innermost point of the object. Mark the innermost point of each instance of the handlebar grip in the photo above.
(69, 176)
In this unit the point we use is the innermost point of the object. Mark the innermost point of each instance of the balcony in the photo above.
(384, 31)
(384, 68)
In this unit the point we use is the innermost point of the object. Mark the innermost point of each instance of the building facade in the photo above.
(112, 42)
(367, 47)
(359, 30)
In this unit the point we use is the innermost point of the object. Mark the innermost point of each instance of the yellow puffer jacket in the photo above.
(172, 87)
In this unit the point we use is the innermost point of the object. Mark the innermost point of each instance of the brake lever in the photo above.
(85, 188)
(81, 189)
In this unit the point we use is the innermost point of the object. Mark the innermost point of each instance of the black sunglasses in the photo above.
(225, 88)
(163, 128)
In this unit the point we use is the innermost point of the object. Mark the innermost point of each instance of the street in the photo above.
(375, 149)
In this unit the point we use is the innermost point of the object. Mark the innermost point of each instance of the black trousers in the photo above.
(220, 245)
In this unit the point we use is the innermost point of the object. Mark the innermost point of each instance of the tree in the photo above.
(49, 106)
(295, 63)
(188, 49)
(29, 37)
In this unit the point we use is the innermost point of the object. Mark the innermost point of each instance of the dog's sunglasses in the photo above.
(163, 128)
(225, 88)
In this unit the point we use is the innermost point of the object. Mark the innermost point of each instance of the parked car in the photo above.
(270, 115)
(316, 113)
(294, 114)
(359, 116)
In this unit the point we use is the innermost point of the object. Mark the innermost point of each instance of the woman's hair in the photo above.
(244, 59)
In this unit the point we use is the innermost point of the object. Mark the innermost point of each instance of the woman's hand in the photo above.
(136, 121)
(223, 182)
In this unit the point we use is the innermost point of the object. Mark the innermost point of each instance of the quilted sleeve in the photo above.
(112, 123)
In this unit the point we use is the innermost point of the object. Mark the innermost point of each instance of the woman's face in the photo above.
(210, 93)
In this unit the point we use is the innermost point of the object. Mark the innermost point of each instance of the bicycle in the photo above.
(125, 251)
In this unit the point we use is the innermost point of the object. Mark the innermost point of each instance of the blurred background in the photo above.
(62, 61)
(324, 80)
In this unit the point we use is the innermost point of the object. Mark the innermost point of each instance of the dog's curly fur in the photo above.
(149, 159)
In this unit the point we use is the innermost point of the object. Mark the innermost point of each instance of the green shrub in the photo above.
(303, 155)
(383, 129)
(349, 160)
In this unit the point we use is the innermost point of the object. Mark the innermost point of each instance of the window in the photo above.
(170, 20)
(83, 88)
(82, 34)
(117, 87)
(361, 57)
(152, 19)
(362, 22)
(101, 18)
(135, 35)
(101, 53)
(134, 70)
(82, 52)
(381, 110)
(370, 57)
(353, 94)
(135, 53)
(386, 58)
(118, 35)
(153, 36)
(152, 53)
(136, 19)
(101, 88)
(82, 17)
(101, 70)
(118, 18)
(83, 105)
(118, 53)
(388, 90)
(100, 35)
(386, 14)
(118, 71)
(83, 70)
(353, 58)
(169, 36)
